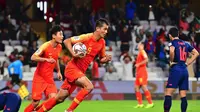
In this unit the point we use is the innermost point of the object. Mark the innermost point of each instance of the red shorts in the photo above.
(39, 87)
(141, 81)
(72, 74)
(70, 86)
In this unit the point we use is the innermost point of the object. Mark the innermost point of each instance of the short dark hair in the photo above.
(55, 29)
(174, 32)
(100, 22)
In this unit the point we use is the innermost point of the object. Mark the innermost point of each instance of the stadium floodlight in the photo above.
(45, 7)
(41, 5)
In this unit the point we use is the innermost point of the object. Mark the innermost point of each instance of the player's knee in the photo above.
(183, 93)
(89, 87)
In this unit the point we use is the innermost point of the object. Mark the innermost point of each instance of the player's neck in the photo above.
(96, 36)
(175, 38)
(53, 43)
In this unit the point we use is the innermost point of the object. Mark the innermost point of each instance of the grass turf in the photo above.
(120, 106)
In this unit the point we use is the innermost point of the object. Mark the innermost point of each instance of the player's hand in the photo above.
(59, 76)
(80, 55)
(137, 65)
(106, 58)
(50, 60)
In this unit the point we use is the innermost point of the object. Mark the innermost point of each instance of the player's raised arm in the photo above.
(75, 39)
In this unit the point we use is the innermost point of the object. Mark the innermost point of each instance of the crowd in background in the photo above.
(137, 22)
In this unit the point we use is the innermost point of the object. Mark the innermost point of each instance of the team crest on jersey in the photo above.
(76, 37)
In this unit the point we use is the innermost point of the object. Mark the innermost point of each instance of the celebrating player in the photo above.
(47, 58)
(10, 102)
(178, 77)
(141, 78)
(75, 69)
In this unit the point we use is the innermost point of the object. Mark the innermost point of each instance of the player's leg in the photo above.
(171, 86)
(37, 90)
(183, 88)
(147, 95)
(87, 87)
(9, 105)
(50, 92)
(64, 92)
(138, 93)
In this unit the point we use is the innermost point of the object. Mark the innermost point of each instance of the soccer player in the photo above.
(141, 78)
(47, 58)
(10, 102)
(15, 70)
(178, 77)
(75, 69)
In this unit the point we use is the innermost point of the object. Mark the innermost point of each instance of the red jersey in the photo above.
(141, 71)
(44, 70)
(93, 48)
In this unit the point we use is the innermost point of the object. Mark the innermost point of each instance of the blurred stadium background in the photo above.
(24, 26)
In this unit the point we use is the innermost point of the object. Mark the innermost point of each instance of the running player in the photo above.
(47, 58)
(75, 69)
(178, 77)
(141, 78)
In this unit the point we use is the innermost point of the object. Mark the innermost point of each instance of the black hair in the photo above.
(100, 22)
(174, 32)
(55, 29)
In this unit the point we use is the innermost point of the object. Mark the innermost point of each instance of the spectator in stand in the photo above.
(125, 38)
(5, 34)
(150, 46)
(22, 34)
(136, 20)
(27, 56)
(151, 14)
(111, 74)
(127, 64)
(3, 67)
(32, 50)
(162, 59)
(130, 9)
(114, 14)
(165, 20)
(2, 46)
(183, 36)
(12, 57)
(183, 24)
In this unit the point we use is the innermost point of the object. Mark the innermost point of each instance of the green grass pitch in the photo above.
(120, 106)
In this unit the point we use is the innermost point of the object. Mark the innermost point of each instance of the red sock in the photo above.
(78, 99)
(29, 108)
(148, 96)
(139, 97)
(38, 107)
(47, 105)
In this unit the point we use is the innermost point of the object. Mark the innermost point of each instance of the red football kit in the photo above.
(43, 77)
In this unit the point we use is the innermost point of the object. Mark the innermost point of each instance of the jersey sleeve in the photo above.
(80, 38)
(144, 54)
(102, 52)
(190, 48)
(41, 49)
